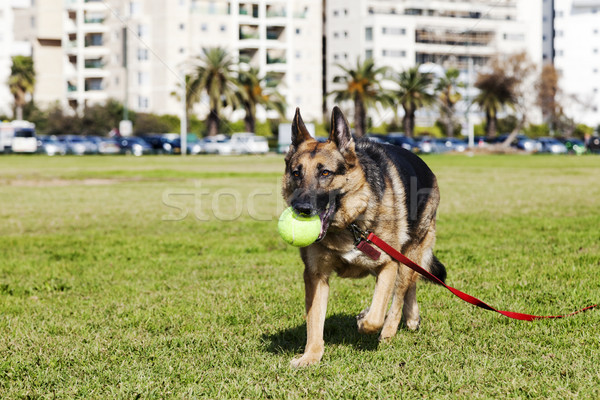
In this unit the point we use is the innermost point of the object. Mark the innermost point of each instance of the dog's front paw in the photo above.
(306, 359)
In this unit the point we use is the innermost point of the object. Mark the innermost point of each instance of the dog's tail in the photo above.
(438, 270)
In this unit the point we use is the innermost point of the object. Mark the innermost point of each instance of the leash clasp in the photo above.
(359, 234)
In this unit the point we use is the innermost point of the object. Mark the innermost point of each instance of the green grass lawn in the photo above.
(163, 277)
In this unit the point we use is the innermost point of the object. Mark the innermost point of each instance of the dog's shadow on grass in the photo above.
(339, 329)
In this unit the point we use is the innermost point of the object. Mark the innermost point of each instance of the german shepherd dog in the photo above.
(380, 188)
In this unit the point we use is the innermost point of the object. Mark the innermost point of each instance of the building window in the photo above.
(335, 13)
(368, 53)
(143, 78)
(368, 34)
(297, 31)
(134, 8)
(203, 27)
(223, 28)
(346, 34)
(142, 54)
(142, 30)
(298, 54)
(335, 35)
(143, 102)
(181, 27)
(298, 77)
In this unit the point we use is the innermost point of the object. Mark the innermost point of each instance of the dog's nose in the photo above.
(304, 208)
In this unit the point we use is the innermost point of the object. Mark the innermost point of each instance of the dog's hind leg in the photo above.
(392, 319)
(372, 320)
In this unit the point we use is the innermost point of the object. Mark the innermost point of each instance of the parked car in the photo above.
(192, 148)
(429, 145)
(74, 144)
(134, 145)
(574, 146)
(249, 143)
(109, 146)
(219, 144)
(51, 146)
(594, 144)
(452, 144)
(400, 140)
(551, 145)
(527, 144)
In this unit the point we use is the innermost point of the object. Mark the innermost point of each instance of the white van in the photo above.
(249, 143)
(18, 137)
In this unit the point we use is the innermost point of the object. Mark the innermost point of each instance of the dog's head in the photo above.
(319, 174)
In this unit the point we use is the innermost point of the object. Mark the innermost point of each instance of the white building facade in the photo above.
(576, 56)
(447, 34)
(9, 47)
(136, 51)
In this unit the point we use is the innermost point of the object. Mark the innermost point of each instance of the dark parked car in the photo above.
(401, 140)
(74, 144)
(594, 144)
(552, 146)
(159, 144)
(134, 145)
(51, 146)
(574, 146)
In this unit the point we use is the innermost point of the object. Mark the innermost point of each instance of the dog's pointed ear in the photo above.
(299, 131)
(340, 131)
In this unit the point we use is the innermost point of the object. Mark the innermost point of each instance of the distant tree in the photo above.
(258, 90)
(21, 82)
(361, 85)
(213, 74)
(547, 94)
(447, 95)
(414, 92)
(504, 86)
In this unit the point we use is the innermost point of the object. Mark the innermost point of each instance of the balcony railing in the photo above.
(94, 64)
(276, 60)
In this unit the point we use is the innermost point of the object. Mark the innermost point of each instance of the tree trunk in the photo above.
(491, 124)
(213, 123)
(250, 117)
(249, 122)
(408, 122)
(359, 118)
(19, 112)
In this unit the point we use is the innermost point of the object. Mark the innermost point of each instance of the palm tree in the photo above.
(213, 74)
(362, 85)
(256, 90)
(413, 93)
(448, 97)
(21, 82)
(496, 90)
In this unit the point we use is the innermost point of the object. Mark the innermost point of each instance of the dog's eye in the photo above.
(296, 174)
(325, 172)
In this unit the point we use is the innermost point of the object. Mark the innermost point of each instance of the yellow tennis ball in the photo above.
(298, 230)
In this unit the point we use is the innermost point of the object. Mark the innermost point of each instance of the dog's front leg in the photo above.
(316, 287)
(372, 320)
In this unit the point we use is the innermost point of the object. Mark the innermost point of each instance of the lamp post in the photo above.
(183, 121)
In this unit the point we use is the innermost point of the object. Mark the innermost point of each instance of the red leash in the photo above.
(396, 255)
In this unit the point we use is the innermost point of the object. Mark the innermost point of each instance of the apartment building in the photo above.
(574, 48)
(441, 34)
(136, 51)
(9, 47)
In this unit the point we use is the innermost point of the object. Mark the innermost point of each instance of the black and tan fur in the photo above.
(381, 188)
